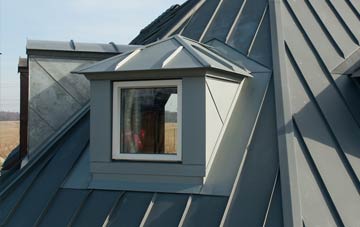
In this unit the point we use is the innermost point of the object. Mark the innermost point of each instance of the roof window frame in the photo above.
(116, 121)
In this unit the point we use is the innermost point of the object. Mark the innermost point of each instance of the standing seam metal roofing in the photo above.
(326, 149)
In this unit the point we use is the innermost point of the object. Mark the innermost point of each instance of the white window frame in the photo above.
(116, 127)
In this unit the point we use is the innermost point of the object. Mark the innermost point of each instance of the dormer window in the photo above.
(147, 120)
(159, 114)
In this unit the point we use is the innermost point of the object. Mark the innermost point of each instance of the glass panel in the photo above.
(149, 120)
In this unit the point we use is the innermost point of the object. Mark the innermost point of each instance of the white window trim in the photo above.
(116, 132)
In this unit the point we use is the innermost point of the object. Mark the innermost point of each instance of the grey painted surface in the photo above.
(274, 215)
(214, 125)
(66, 203)
(130, 209)
(223, 93)
(325, 122)
(205, 211)
(193, 115)
(167, 210)
(219, 180)
(176, 52)
(285, 137)
(100, 131)
(197, 127)
(323, 146)
(256, 178)
(79, 177)
(77, 46)
(193, 139)
(237, 57)
(89, 213)
(148, 168)
(247, 24)
(41, 193)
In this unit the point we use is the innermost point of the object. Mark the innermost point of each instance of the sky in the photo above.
(99, 21)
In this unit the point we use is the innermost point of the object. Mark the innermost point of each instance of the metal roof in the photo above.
(300, 165)
(176, 52)
(72, 46)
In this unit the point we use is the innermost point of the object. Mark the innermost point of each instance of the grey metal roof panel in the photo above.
(95, 209)
(78, 46)
(44, 187)
(167, 52)
(130, 209)
(63, 207)
(199, 20)
(11, 197)
(166, 210)
(219, 180)
(221, 23)
(246, 26)
(350, 64)
(237, 57)
(274, 214)
(204, 211)
(166, 21)
(325, 122)
(79, 176)
(318, 208)
(260, 49)
(258, 174)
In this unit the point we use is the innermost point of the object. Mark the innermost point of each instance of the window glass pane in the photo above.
(149, 120)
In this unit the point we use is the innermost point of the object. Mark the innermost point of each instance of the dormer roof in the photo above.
(176, 52)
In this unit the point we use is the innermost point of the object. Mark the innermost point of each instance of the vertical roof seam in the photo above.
(210, 21)
(271, 197)
(257, 30)
(352, 7)
(326, 31)
(342, 22)
(287, 160)
(112, 210)
(148, 210)
(185, 18)
(171, 56)
(127, 58)
(333, 210)
(234, 23)
(321, 62)
(243, 160)
(22, 196)
(78, 210)
(44, 147)
(46, 208)
(313, 99)
(186, 211)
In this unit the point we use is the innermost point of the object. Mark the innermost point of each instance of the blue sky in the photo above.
(81, 20)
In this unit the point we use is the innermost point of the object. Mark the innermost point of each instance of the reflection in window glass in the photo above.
(149, 120)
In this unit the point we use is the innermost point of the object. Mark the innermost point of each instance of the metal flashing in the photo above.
(287, 161)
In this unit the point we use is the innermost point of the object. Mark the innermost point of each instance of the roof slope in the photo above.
(318, 36)
(324, 117)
